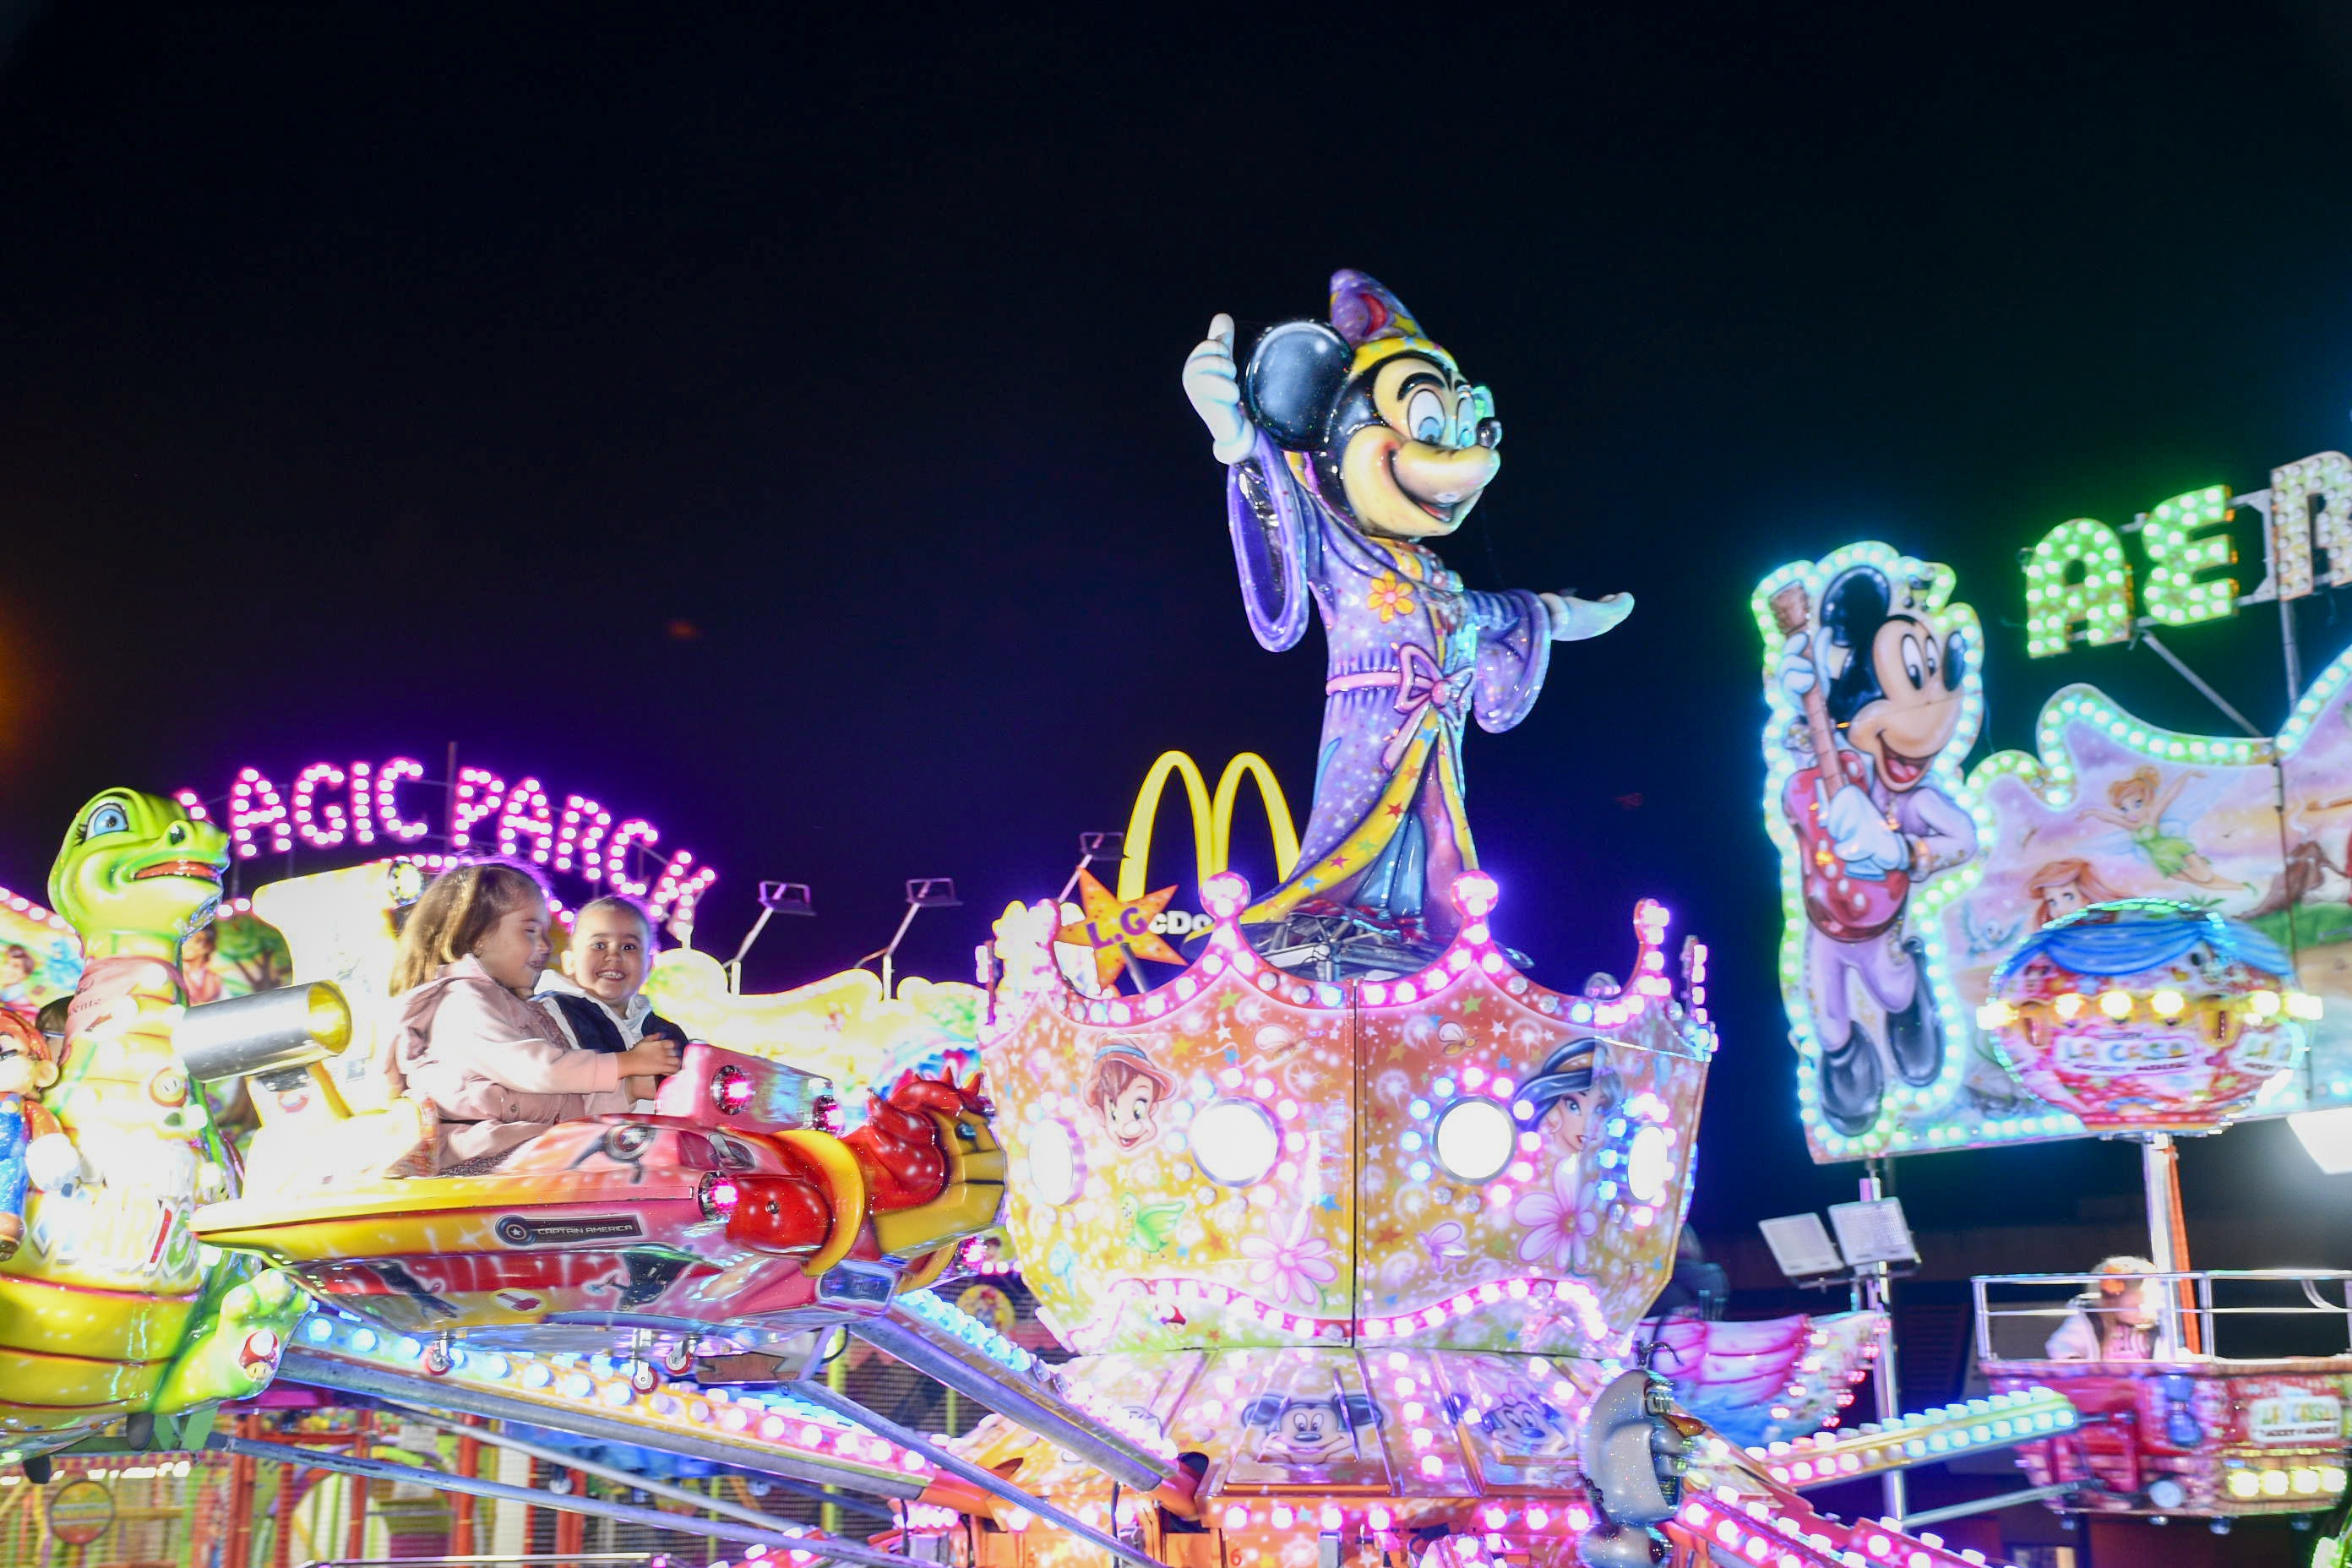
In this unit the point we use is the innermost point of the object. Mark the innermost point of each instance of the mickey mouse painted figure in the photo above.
(1347, 444)
(1882, 682)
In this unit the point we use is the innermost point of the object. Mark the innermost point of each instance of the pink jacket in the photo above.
(494, 1066)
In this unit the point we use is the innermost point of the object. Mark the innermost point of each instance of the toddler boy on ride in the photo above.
(465, 1038)
(598, 999)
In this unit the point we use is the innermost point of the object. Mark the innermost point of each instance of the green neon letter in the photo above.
(2181, 543)
(2057, 598)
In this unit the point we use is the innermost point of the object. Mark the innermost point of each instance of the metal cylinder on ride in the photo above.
(264, 1032)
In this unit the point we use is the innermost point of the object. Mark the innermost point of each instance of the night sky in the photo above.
(769, 423)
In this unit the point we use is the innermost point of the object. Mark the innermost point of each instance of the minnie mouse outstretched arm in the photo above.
(1574, 619)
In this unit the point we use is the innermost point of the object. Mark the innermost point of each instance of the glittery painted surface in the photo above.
(1244, 1158)
(1413, 658)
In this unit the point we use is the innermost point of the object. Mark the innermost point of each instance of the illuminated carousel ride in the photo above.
(2152, 1020)
(1351, 1226)
(660, 1281)
(1359, 1217)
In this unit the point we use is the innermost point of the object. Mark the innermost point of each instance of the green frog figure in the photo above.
(109, 1311)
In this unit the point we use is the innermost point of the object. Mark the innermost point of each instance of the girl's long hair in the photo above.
(456, 909)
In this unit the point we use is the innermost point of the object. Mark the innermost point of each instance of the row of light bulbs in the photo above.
(2164, 1003)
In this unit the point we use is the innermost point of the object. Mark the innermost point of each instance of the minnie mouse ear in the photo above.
(1295, 374)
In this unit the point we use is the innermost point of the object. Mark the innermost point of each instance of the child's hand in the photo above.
(655, 1055)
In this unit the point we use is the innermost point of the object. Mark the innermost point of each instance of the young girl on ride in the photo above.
(597, 1000)
(466, 1040)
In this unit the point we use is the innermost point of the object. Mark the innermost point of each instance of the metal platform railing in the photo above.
(2213, 1314)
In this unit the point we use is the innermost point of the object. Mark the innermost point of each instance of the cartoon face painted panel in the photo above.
(1348, 443)
(1319, 1432)
(1890, 677)
(1125, 1088)
(1517, 1423)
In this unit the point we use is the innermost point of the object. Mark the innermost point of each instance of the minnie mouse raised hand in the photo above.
(1347, 443)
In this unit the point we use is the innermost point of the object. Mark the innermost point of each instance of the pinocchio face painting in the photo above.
(1126, 1089)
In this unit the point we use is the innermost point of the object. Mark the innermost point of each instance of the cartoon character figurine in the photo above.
(1635, 1451)
(1881, 686)
(1348, 445)
(34, 1150)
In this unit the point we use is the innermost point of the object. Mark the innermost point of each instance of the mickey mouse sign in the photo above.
(1874, 696)
(1907, 883)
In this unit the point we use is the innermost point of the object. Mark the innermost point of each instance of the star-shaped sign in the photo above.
(1110, 926)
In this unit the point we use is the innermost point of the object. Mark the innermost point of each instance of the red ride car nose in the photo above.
(779, 1214)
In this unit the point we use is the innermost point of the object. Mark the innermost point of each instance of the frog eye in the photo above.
(107, 818)
(1424, 417)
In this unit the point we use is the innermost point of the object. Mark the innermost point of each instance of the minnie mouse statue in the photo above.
(1348, 444)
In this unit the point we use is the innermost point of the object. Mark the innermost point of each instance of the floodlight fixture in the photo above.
(922, 893)
(1873, 1231)
(1800, 1245)
(932, 893)
(1093, 846)
(2326, 1137)
(775, 899)
(786, 899)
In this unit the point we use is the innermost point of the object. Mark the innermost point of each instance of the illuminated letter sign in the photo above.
(2295, 527)
(581, 841)
(2079, 589)
(2181, 543)
(1213, 819)
(2058, 597)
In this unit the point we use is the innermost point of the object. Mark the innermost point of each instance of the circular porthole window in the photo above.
(1056, 1168)
(1648, 1164)
(1474, 1138)
(1234, 1142)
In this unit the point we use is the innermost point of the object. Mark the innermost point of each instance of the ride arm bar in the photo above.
(840, 1404)
(454, 1394)
(814, 1542)
(1024, 1398)
(701, 1500)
